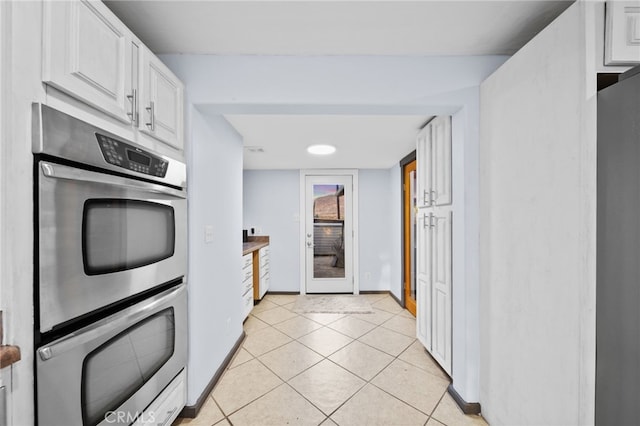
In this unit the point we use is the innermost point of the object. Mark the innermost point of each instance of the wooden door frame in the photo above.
(406, 160)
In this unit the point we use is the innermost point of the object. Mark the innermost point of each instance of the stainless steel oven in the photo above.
(111, 219)
(109, 288)
(110, 371)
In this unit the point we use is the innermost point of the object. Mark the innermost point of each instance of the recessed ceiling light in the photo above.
(321, 149)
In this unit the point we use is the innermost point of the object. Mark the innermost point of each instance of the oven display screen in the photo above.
(136, 157)
(123, 155)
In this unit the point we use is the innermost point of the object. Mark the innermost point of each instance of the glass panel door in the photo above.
(329, 240)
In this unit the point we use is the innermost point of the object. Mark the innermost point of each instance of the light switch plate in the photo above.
(208, 233)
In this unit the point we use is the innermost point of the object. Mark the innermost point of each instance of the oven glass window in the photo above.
(113, 372)
(124, 234)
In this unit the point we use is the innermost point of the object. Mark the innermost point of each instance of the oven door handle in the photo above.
(58, 171)
(96, 332)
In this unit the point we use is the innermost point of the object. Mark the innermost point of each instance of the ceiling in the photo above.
(324, 27)
(362, 141)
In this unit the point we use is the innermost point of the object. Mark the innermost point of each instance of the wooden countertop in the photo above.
(254, 243)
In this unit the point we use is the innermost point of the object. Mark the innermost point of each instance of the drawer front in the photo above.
(247, 274)
(248, 285)
(166, 407)
(247, 260)
(264, 270)
(247, 303)
(264, 284)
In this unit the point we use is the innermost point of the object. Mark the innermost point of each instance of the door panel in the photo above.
(162, 98)
(423, 278)
(87, 55)
(329, 234)
(441, 166)
(423, 154)
(441, 288)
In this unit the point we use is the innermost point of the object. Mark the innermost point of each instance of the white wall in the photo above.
(395, 239)
(271, 202)
(537, 199)
(375, 227)
(367, 85)
(20, 60)
(214, 158)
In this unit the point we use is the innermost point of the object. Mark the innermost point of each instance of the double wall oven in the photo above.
(110, 296)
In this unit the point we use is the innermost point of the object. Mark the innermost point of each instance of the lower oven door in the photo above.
(103, 238)
(109, 372)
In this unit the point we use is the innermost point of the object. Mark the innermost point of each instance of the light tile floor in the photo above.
(331, 369)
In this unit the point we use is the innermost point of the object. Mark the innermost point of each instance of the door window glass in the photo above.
(328, 231)
(124, 234)
(113, 372)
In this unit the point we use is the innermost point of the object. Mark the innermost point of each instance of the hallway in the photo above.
(327, 369)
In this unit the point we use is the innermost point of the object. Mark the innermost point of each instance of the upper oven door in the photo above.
(103, 238)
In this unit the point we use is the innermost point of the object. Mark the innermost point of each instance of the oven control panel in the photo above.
(130, 157)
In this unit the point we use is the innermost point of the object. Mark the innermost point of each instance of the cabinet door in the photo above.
(441, 160)
(622, 33)
(423, 278)
(87, 54)
(423, 166)
(161, 101)
(441, 287)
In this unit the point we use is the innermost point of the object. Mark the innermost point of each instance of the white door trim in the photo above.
(303, 264)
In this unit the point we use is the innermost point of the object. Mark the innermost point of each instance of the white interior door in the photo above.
(328, 234)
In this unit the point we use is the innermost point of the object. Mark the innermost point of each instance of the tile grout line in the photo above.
(323, 357)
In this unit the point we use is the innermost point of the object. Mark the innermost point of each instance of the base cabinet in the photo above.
(247, 285)
(265, 276)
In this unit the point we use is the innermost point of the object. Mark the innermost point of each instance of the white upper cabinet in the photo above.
(423, 156)
(441, 160)
(622, 33)
(161, 97)
(433, 152)
(87, 54)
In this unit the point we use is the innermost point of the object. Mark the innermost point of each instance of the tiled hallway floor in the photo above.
(331, 369)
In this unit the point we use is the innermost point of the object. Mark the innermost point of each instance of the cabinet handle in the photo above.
(135, 117)
(428, 223)
(424, 196)
(433, 196)
(152, 116)
(166, 419)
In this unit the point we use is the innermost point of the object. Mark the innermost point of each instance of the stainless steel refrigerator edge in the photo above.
(618, 253)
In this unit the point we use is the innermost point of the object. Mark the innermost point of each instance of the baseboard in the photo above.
(393, 296)
(283, 292)
(466, 407)
(191, 411)
(374, 291)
